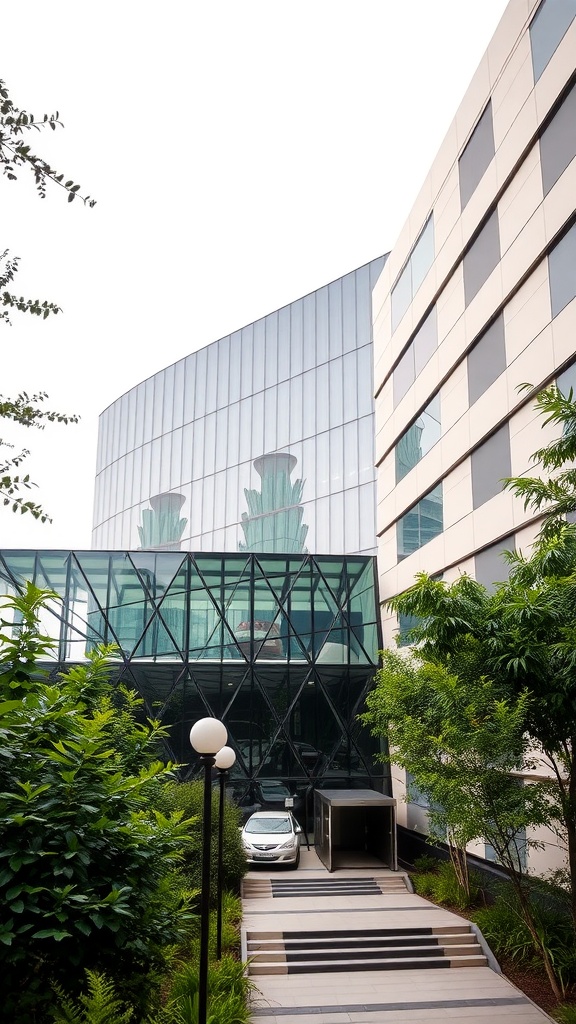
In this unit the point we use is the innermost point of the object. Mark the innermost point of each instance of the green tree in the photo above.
(554, 495)
(88, 871)
(25, 410)
(465, 745)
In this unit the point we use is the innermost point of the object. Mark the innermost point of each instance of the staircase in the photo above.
(262, 888)
(369, 949)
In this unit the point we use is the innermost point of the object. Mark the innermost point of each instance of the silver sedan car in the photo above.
(272, 837)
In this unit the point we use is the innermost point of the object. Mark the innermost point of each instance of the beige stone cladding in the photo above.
(461, 324)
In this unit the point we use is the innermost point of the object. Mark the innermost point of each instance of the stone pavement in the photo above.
(355, 946)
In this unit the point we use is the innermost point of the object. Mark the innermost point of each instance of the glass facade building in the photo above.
(262, 441)
(282, 649)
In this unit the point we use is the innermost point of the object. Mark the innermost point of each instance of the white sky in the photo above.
(242, 152)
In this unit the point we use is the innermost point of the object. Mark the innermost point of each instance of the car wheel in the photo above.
(296, 862)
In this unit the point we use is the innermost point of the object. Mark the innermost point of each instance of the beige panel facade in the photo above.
(498, 215)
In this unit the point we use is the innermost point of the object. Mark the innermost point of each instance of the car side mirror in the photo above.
(298, 829)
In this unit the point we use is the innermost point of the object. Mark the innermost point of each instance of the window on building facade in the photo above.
(481, 258)
(562, 271)
(547, 29)
(490, 464)
(476, 156)
(418, 439)
(421, 348)
(486, 361)
(489, 565)
(418, 265)
(558, 142)
(566, 381)
(421, 523)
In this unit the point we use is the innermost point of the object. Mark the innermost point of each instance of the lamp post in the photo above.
(224, 760)
(207, 737)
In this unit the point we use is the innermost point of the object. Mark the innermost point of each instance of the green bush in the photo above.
(508, 936)
(442, 886)
(188, 799)
(426, 863)
(87, 869)
(566, 1014)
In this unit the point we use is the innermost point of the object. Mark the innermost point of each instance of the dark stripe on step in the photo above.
(444, 1004)
(409, 940)
(377, 965)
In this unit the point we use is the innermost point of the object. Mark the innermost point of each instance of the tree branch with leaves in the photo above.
(25, 410)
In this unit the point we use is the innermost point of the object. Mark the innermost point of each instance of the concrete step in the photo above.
(363, 949)
(363, 964)
(255, 888)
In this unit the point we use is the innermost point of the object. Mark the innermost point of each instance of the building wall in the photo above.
(477, 298)
(296, 387)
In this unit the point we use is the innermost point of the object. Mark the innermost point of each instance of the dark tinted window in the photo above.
(403, 377)
(481, 258)
(490, 464)
(489, 565)
(422, 523)
(418, 439)
(549, 25)
(558, 142)
(562, 271)
(476, 156)
(487, 360)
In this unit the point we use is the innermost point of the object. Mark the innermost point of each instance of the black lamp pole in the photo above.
(208, 763)
(224, 760)
(207, 737)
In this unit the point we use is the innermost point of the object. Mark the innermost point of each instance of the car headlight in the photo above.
(287, 845)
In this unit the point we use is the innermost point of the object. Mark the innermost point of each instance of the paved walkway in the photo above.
(331, 995)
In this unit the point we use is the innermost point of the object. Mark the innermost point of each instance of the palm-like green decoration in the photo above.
(161, 524)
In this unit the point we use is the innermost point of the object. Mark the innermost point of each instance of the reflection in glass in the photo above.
(274, 518)
(421, 524)
(161, 525)
(418, 439)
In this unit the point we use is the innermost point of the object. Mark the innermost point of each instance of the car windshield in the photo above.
(262, 825)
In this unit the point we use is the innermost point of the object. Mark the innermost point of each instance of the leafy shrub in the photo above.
(566, 1014)
(99, 1005)
(442, 886)
(86, 868)
(426, 863)
(508, 935)
(228, 992)
(187, 798)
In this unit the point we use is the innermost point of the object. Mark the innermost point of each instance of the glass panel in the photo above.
(365, 357)
(271, 349)
(335, 308)
(425, 341)
(558, 142)
(296, 338)
(549, 25)
(403, 376)
(158, 403)
(235, 356)
(246, 363)
(259, 355)
(418, 439)
(477, 155)
(487, 360)
(562, 271)
(489, 565)
(309, 328)
(336, 400)
(349, 339)
(490, 463)
(284, 343)
(482, 257)
(189, 387)
(421, 524)
(178, 410)
(401, 295)
(168, 400)
(422, 255)
(223, 372)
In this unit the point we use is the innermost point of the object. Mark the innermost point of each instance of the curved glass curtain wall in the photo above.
(263, 441)
(283, 649)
